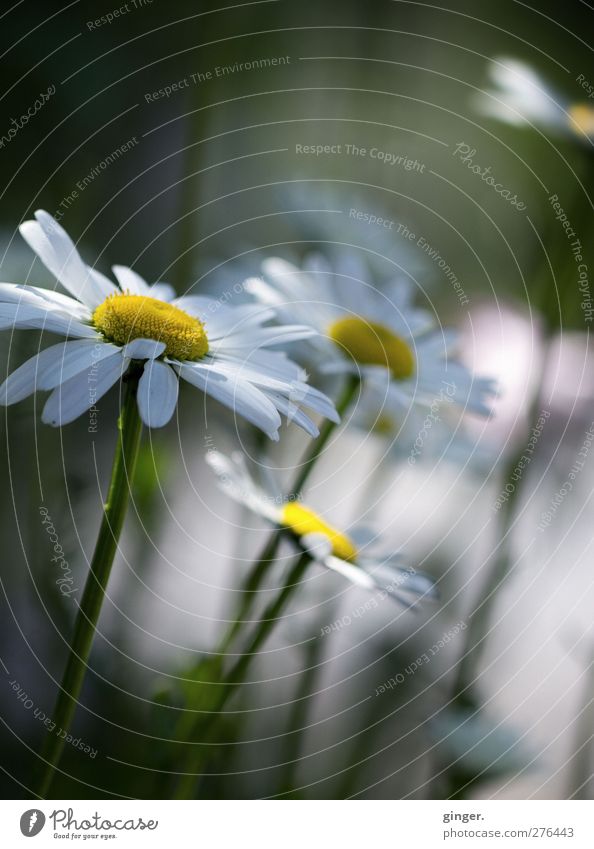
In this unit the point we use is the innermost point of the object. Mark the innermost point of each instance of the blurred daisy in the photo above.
(372, 334)
(110, 328)
(359, 556)
(420, 435)
(522, 97)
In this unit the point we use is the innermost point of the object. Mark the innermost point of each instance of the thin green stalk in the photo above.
(478, 624)
(298, 717)
(238, 673)
(114, 511)
(268, 554)
(582, 778)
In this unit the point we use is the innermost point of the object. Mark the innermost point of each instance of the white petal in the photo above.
(158, 389)
(57, 252)
(235, 480)
(163, 292)
(11, 293)
(144, 349)
(243, 398)
(285, 395)
(273, 366)
(296, 284)
(43, 317)
(53, 366)
(130, 281)
(353, 573)
(263, 292)
(403, 585)
(318, 546)
(308, 396)
(71, 399)
(294, 414)
(278, 335)
(197, 305)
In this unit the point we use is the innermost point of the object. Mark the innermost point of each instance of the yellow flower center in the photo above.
(384, 425)
(301, 520)
(371, 343)
(582, 118)
(123, 317)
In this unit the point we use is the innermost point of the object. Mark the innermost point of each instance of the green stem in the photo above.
(297, 725)
(478, 624)
(238, 672)
(582, 779)
(268, 554)
(114, 511)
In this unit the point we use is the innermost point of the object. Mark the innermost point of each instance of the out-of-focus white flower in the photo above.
(436, 434)
(372, 333)
(360, 556)
(522, 97)
(220, 350)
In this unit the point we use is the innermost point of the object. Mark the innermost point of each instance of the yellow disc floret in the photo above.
(301, 520)
(582, 118)
(123, 317)
(371, 343)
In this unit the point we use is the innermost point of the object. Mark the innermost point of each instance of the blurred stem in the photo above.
(583, 775)
(268, 555)
(237, 676)
(114, 512)
(478, 625)
(297, 721)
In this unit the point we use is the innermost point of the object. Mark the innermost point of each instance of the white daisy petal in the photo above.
(72, 398)
(163, 292)
(53, 366)
(231, 321)
(353, 573)
(143, 349)
(74, 357)
(43, 317)
(405, 586)
(197, 305)
(294, 414)
(11, 293)
(56, 250)
(279, 335)
(363, 536)
(318, 546)
(130, 281)
(275, 364)
(235, 480)
(222, 320)
(243, 398)
(287, 277)
(264, 292)
(158, 389)
(312, 398)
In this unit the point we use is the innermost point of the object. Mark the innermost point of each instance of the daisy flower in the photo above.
(372, 334)
(111, 329)
(420, 435)
(522, 97)
(360, 556)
